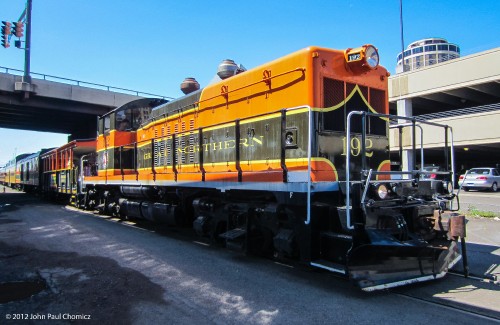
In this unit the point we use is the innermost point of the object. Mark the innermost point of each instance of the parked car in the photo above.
(483, 178)
(433, 172)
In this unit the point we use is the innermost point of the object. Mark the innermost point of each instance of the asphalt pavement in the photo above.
(121, 272)
(480, 200)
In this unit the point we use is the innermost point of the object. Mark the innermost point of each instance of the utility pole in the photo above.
(401, 30)
(27, 50)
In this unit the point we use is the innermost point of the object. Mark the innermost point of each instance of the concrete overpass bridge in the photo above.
(57, 105)
(463, 93)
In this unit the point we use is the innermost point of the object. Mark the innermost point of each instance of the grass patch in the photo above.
(472, 211)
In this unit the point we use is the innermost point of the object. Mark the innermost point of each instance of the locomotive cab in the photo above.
(117, 137)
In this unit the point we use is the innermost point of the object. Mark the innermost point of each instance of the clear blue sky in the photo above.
(152, 45)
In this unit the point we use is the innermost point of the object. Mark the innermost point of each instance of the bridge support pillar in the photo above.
(404, 108)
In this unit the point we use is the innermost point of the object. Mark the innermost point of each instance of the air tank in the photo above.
(226, 69)
(189, 85)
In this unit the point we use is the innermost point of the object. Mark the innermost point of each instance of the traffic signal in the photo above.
(6, 30)
(18, 29)
(6, 27)
(5, 41)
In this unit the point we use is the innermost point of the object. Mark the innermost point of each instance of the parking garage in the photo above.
(463, 93)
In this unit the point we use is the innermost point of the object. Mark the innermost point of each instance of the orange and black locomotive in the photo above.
(290, 159)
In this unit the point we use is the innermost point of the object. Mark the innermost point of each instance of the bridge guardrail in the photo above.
(85, 83)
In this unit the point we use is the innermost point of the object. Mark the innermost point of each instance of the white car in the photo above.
(484, 178)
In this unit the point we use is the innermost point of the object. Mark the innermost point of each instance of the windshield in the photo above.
(131, 116)
(130, 119)
(479, 171)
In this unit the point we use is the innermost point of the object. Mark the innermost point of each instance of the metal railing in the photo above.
(85, 83)
(414, 121)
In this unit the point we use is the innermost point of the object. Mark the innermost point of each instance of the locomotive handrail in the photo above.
(461, 184)
(309, 150)
(365, 191)
(400, 127)
(283, 145)
(348, 169)
(452, 163)
(264, 80)
(389, 116)
(197, 109)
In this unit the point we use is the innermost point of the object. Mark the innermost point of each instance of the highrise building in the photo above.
(427, 52)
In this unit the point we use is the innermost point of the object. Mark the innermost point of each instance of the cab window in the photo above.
(107, 124)
(123, 120)
(131, 119)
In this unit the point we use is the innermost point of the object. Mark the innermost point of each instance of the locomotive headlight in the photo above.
(371, 56)
(382, 191)
(449, 187)
(362, 58)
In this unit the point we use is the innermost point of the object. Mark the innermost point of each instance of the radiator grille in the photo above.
(335, 92)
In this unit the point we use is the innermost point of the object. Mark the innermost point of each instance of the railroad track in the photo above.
(477, 314)
(492, 279)
(450, 306)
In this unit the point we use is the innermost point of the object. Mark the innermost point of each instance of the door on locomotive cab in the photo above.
(125, 122)
(104, 129)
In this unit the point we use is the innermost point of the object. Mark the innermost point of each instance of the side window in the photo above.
(141, 115)
(100, 127)
(122, 120)
(495, 172)
(136, 118)
(107, 124)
